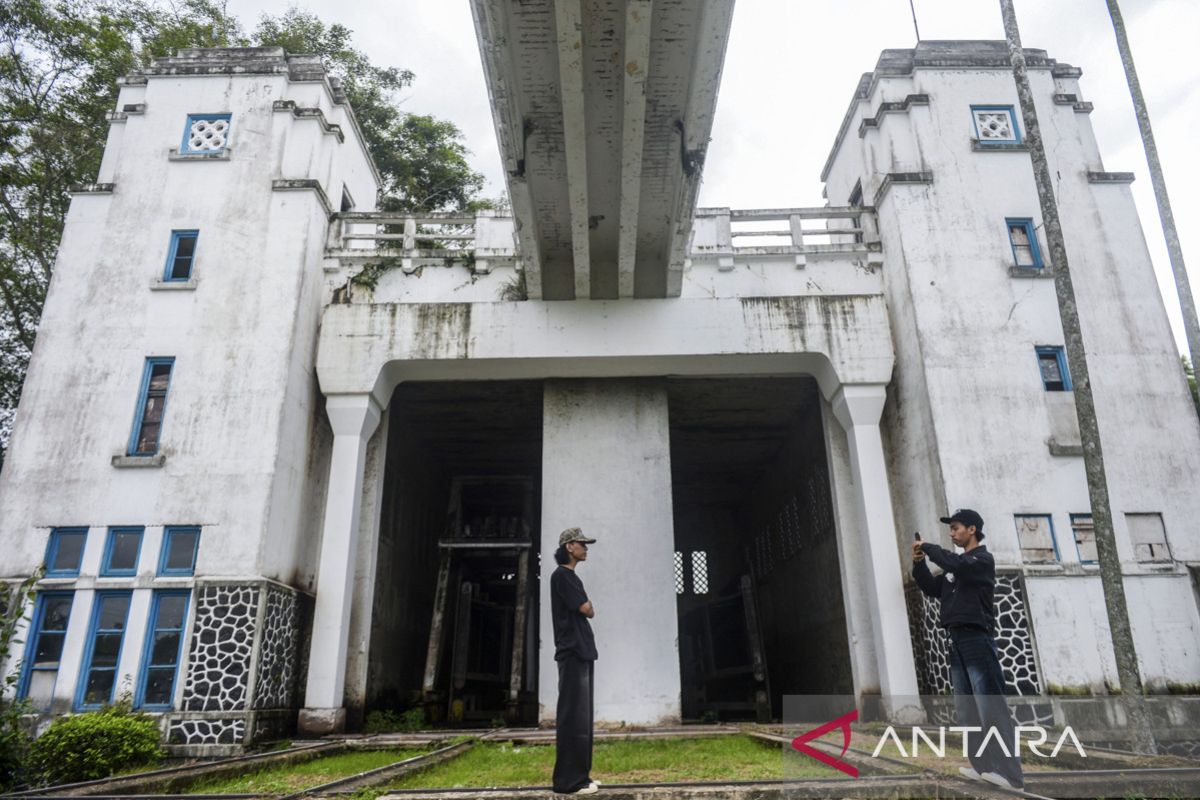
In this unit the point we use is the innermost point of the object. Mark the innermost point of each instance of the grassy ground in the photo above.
(288, 779)
(725, 758)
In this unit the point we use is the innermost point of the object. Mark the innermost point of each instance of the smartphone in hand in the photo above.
(917, 536)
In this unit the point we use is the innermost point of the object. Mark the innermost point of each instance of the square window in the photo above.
(121, 552)
(152, 402)
(1022, 237)
(1052, 363)
(1149, 537)
(179, 550)
(205, 133)
(1035, 535)
(1085, 538)
(180, 255)
(64, 552)
(995, 125)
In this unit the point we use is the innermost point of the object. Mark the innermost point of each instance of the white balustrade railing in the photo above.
(723, 236)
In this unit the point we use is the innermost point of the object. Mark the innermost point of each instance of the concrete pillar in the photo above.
(858, 409)
(353, 419)
(859, 627)
(606, 467)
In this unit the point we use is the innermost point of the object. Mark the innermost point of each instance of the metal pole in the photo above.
(1187, 302)
(1093, 455)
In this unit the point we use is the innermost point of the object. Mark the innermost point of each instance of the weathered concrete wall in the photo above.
(240, 432)
(607, 469)
(373, 347)
(969, 422)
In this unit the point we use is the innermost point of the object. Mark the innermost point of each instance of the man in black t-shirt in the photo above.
(575, 652)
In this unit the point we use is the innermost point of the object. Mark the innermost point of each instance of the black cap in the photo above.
(967, 517)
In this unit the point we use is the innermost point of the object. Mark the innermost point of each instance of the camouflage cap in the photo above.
(573, 535)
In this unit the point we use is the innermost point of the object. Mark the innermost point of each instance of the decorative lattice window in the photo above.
(206, 133)
(699, 572)
(679, 587)
(995, 124)
(1035, 534)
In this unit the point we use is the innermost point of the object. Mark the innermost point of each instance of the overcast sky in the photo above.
(790, 71)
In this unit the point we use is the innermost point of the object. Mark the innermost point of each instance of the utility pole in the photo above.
(1089, 431)
(1187, 303)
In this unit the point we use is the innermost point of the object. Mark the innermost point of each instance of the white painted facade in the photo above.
(276, 430)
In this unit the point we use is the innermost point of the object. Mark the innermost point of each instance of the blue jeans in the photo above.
(979, 701)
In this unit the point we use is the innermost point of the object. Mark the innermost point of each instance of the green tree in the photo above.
(59, 65)
(422, 160)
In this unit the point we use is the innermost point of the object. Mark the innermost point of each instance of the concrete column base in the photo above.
(321, 721)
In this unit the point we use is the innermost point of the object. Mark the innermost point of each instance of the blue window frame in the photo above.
(121, 551)
(996, 124)
(1085, 538)
(1052, 363)
(152, 403)
(179, 547)
(205, 133)
(1036, 538)
(1022, 237)
(164, 643)
(180, 255)
(64, 552)
(39, 669)
(106, 636)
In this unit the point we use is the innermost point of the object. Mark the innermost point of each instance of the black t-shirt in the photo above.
(572, 632)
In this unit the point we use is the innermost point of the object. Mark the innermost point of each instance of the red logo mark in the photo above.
(843, 722)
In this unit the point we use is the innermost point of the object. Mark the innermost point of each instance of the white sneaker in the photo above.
(967, 772)
(591, 788)
(596, 784)
(998, 779)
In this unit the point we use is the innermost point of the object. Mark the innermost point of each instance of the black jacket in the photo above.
(966, 587)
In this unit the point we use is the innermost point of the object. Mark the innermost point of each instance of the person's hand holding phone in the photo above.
(917, 554)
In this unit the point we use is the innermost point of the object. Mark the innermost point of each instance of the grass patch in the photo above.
(724, 758)
(295, 777)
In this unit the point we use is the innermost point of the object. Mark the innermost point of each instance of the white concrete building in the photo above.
(262, 488)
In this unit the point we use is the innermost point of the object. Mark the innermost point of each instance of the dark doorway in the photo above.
(454, 625)
(757, 577)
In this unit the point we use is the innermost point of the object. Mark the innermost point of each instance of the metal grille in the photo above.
(679, 587)
(699, 572)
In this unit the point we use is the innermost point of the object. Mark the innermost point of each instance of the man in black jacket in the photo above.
(575, 652)
(965, 589)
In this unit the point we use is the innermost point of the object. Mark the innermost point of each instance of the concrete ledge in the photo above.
(159, 285)
(310, 113)
(891, 108)
(175, 155)
(124, 462)
(1064, 448)
(1110, 177)
(302, 185)
(902, 178)
(93, 188)
(998, 147)
(321, 721)
(1030, 272)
